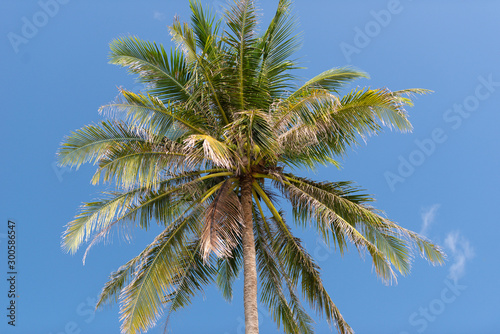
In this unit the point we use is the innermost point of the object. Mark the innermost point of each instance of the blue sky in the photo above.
(440, 180)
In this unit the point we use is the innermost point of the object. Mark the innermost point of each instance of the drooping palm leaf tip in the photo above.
(220, 128)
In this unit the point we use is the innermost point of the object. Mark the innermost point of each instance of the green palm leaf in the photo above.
(288, 312)
(195, 275)
(277, 45)
(300, 265)
(93, 142)
(141, 303)
(140, 165)
(166, 75)
(332, 80)
(228, 269)
(118, 280)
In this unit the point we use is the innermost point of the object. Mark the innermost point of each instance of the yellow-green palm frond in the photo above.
(95, 216)
(207, 70)
(93, 142)
(140, 164)
(165, 75)
(253, 129)
(228, 269)
(276, 283)
(205, 27)
(118, 280)
(241, 20)
(213, 150)
(142, 299)
(331, 80)
(369, 106)
(341, 210)
(149, 112)
(196, 273)
(276, 46)
(301, 267)
(140, 204)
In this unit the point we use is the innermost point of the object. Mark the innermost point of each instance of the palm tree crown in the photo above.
(205, 152)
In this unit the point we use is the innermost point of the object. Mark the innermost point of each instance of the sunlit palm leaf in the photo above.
(93, 142)
(140, 165)
(165, 75)
(278, 43)
(241, 37)
(300, 265)
(332, 80)
(142, 204)
(195, 275)
(275, 281)
(205, 28)
(141, 300)
(228, 269)
(118, 280)
(149, 112)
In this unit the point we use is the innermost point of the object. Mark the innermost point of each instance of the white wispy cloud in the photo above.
(461, 251)
(428, 216)
(158, 15)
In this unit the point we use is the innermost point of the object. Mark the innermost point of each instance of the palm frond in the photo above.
(141, 204)
(405, 95)
(149, 112)
(205, 28)
(273, 277)
(196, 273)
(267, 200)
(140, 164)
(336, 217)
(425, 248)
(368, 106)
(390, 243)
(209, 72)
(141, 299)
(299, 265)
(184, 37)
(228, 269)
(212, 149)
(254, 129)
(93, 142)
(117, 280)
(278, 43)
(95, 216)
(347, 201)
(332, 80)
(241, 20)
(222, 223)
(165, 75)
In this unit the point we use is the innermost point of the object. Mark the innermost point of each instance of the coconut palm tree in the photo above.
(209, 150)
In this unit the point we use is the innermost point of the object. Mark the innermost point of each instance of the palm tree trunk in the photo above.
(249, 261)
